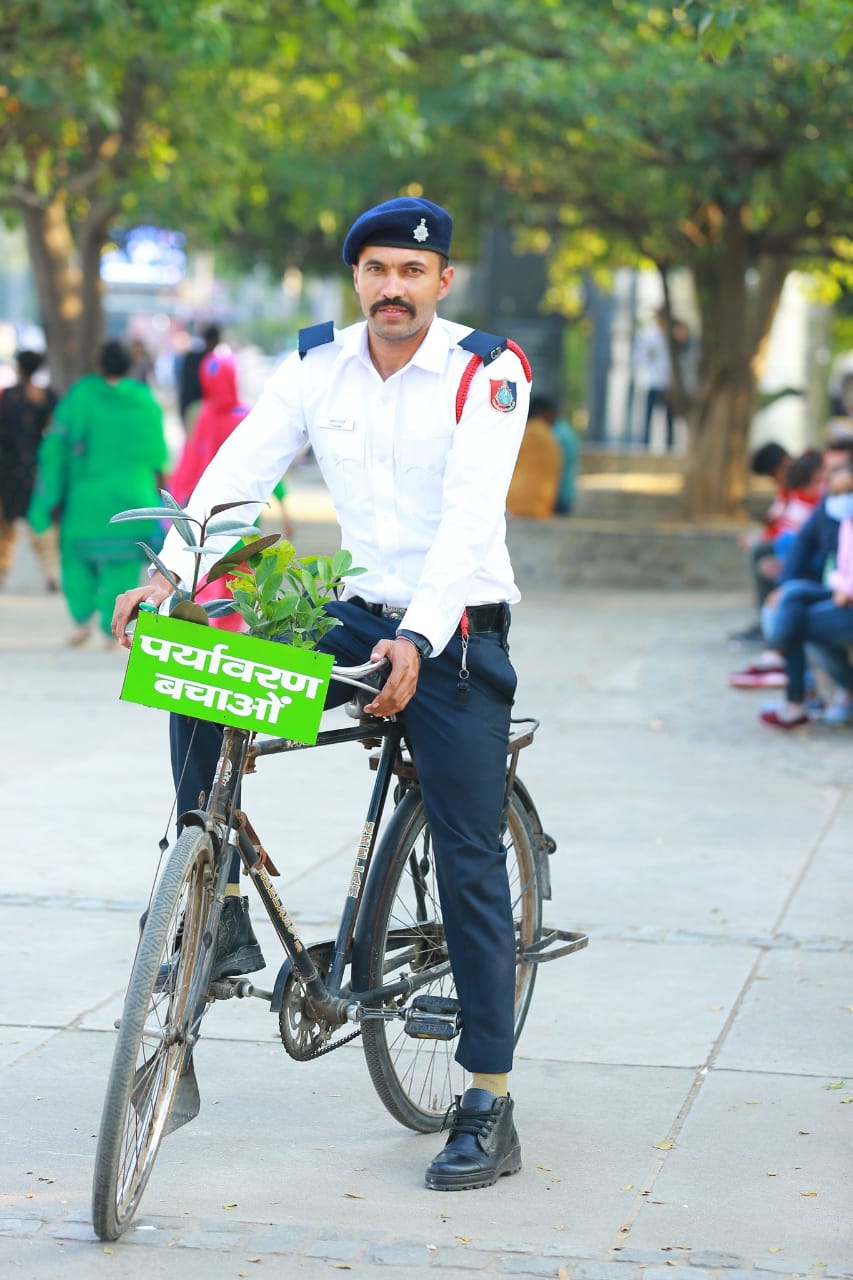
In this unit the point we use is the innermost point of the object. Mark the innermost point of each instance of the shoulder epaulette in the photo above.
(488, 346)
(485, 348)
(316, 335)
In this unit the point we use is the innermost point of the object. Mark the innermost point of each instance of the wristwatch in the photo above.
(420, 642)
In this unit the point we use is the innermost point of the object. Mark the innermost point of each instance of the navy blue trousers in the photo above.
(460, 753)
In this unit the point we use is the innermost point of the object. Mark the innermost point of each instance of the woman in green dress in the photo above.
(105, 451)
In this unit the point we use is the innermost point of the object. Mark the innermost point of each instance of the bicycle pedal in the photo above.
(433, 1018)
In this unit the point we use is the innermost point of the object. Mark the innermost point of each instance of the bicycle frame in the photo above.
(227, 828)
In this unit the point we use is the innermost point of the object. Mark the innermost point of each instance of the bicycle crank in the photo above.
(303, 1034)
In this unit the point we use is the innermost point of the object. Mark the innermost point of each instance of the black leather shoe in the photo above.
(237, 948)
(483, 1144)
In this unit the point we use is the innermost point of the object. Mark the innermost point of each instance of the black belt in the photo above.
(481, 617)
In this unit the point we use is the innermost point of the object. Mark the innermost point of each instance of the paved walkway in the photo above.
(683, 1087)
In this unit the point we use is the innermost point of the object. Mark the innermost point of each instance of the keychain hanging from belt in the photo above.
(462, 686)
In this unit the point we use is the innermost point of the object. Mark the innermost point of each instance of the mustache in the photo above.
(392, 302)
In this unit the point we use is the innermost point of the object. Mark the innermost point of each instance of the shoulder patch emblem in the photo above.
(503, 395)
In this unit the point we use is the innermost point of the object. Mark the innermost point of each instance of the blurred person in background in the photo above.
(25, 410)
(535, 481)
(105, 451)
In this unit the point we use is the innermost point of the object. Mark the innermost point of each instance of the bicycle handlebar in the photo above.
(355, 676)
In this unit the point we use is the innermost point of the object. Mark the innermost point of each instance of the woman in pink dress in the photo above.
(219, 414)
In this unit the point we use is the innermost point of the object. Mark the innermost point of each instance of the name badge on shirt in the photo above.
(337, 424)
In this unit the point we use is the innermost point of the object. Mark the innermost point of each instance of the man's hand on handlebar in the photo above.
(400, 686)
(127, 605)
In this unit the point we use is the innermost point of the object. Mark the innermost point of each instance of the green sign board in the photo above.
(227, 677)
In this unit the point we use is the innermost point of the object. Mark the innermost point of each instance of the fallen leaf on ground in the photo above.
(775, 1248)
(664, 1146)
(808, 1193)
(837, 1084)
(546, 1167)
(771, 1173)
(232, 1204)
(803, 1131)
(629, 1186)
(352, 1195)
(561, 1226)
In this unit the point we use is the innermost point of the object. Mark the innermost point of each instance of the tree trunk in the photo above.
(68, 285)
(57, 280)
(736, 321)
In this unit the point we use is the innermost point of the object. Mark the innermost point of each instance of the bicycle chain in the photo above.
(327, 1048)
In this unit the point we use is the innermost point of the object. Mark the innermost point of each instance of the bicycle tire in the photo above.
(417, 1080)
(151, 1051)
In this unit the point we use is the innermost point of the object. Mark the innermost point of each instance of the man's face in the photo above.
(399, 289)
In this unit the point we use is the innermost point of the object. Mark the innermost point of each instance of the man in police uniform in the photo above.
(417, 445)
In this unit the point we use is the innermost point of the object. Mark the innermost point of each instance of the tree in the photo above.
(608, 134)
(147, 108)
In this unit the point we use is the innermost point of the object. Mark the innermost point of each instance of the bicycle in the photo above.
(399, 995)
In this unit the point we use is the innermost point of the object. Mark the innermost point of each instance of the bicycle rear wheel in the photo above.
(417, 1080)
(152, 1051)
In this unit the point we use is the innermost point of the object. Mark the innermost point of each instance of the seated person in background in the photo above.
(770, 460)
(803, 491)
(567, 438)
(818, 611)
(536, 478)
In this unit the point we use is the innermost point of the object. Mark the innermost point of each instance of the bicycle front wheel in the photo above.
(416, 1079)
(154, 1047)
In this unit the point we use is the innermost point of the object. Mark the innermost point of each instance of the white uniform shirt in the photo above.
(420, 499)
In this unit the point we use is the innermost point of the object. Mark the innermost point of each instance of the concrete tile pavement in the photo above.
(675, 1084)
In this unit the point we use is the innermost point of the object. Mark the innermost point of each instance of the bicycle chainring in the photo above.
(302, 1034)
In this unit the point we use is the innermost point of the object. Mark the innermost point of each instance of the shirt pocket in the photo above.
(340, 456)
(420, 462)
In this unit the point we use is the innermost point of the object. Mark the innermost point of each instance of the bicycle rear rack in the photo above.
(548, 946)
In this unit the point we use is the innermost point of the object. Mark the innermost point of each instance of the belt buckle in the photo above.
(393, 611)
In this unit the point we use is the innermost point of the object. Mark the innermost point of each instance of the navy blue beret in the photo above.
(399, 224)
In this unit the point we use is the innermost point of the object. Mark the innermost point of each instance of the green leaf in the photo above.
(190, 611)
(265, 567)
(159, 565)
(239, 555)
(229, 506)
(219, 608)
(183, 522)
(341, 562)
(236, 528)
(269, 588)
(142, 513)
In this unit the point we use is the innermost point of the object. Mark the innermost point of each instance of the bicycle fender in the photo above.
(280, 981)
(198, 818)
(545, 844)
